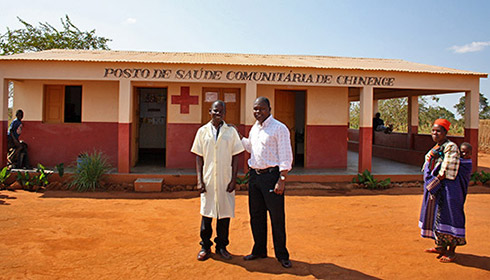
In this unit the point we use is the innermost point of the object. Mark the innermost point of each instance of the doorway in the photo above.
(290, 109)
(150, 123)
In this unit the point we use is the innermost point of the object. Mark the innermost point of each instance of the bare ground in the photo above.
(333, 233)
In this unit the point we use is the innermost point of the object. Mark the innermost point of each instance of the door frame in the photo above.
(135, 130)
(305, 93)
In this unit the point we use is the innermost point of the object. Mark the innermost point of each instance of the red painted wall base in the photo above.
(326, 146)
(51, 144)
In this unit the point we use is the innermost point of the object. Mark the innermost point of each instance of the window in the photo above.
(62, 104)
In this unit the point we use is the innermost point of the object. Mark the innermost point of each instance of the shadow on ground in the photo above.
(469, 260)
(317, 270)
(4, 198)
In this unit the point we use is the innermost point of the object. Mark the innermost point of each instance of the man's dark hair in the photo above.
(219, 102)
(265, 100)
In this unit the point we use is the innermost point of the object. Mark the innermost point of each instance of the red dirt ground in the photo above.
(332, 234)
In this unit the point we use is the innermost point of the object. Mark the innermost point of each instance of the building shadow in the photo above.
(317, 270)
(4, 198)
(469, 260)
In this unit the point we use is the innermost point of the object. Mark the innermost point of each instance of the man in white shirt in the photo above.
(270, 160)
(216, 146)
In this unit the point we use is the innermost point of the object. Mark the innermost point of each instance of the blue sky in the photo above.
(449, 33)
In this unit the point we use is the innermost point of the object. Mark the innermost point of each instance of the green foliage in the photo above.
(355, 111)
(24, 179)
(367, 179)
(482, 177)
(484, 107)
(61, 169)
(4, 174)
(394, 111)
(244, 179)
(45, 36)
(91, 167)
(41, 179)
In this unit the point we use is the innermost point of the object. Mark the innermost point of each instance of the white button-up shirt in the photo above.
(269, 145)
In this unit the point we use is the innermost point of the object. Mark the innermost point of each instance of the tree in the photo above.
(394, 112)
(484, 107)
(428, 114)
(45, 37)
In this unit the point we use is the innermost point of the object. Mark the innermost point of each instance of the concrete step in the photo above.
(148, 185)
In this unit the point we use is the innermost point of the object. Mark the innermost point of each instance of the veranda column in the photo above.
(413, 120)
(4, 92)
(250, 96)
(472, 100)
(366, 129)
(124, 127)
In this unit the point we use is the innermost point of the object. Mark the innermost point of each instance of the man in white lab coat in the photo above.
(217, 147)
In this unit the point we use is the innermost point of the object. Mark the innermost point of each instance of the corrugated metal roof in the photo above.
(292, 61)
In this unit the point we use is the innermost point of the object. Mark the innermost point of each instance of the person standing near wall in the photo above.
(217, 147)
(271, 159)
(17, 149)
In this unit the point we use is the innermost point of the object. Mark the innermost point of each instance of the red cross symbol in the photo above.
(185, 99)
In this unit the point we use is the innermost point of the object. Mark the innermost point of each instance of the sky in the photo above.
(449, 33)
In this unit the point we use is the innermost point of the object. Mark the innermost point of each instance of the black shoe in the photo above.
(286, 263)
(223, 253)
(253, 257)
(203, 254)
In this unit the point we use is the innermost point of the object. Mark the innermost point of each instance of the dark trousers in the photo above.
(261, 198)
(222, 230)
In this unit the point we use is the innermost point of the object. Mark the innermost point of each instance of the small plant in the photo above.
(24, 179)
(482, 177)
(367, 179)
(61, 169)
(475, 177)
(4, 175)
(243, 180)
(90, 168)
(42, 178)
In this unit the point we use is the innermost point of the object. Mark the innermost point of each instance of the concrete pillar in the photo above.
(366, 129)
(4, 92)
(250, 96)
(472, 121)
(249, 119)
(413, 120)
(124, 126)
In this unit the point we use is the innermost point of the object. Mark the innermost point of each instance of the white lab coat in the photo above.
(216, 202)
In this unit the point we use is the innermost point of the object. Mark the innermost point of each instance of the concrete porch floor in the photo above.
(382, 168)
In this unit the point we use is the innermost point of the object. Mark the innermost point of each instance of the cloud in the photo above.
(130, 21)
(473, 47)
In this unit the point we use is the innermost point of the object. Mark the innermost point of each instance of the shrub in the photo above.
(90, 168)
(4, 174)
(244, 179)
(367, 179)
(482, 177)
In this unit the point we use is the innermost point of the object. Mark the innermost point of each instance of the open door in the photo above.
(289, 108)
(150, 126)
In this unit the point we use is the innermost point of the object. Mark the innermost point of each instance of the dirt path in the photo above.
(331, 235)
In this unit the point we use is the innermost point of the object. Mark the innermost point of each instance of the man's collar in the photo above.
(266, 121)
